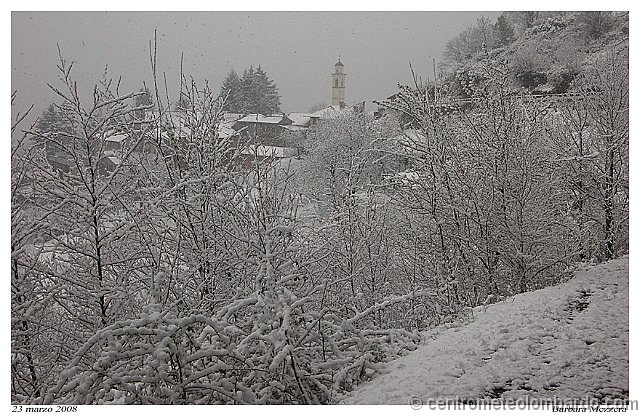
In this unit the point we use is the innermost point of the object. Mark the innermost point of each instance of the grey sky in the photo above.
(296, 49)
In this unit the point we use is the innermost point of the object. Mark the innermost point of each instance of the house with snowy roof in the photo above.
(262, 129)
(114, 142)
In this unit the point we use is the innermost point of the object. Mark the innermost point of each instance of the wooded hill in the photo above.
(543, 52)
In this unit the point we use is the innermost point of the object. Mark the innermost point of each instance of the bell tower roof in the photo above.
(338, 63)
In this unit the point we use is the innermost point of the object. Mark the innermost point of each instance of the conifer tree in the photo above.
(144, 99)
(250, 98)
(267, 92)
(504, 32)
(231, 91)
(254, 92)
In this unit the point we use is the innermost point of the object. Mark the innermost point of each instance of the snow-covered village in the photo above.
(435, 217)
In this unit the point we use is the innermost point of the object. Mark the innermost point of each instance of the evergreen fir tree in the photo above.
(267, 92)
(144, 99)
(250, 98)
(254, 92)
(55, 121)
(231, 89)
(52, 120)
(183, 104)
(504, 33)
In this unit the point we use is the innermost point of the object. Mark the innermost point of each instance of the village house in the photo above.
(263, 129)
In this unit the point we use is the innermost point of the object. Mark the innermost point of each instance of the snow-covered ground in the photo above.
(569, 341)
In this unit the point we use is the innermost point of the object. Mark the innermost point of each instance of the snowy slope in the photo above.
(566, 341)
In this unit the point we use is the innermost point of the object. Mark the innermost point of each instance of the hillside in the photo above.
(567, 341)
(541, 55)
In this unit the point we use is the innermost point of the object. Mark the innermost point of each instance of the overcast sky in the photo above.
(296, 49)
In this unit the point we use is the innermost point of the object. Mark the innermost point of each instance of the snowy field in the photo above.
(569, 341)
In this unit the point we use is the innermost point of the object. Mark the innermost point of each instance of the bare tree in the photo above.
(84, 201)
(596, 124)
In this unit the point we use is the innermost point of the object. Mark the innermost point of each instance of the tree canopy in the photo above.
(254, 92)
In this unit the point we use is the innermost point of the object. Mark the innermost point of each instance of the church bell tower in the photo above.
(337, 90)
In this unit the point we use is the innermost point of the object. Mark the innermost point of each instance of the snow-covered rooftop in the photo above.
(269, 151)
(299, 119)
(327, 112)
(232, 116)
(259, 118)
(118, 138)
(114, 160)
(294, 127)
(225, 131)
